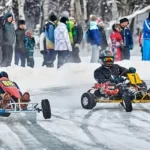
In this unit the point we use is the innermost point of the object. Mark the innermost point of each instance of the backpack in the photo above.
(88, 37)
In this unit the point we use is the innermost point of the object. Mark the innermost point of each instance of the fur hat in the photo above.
(21, 22)
(53, 18)
(64, 20)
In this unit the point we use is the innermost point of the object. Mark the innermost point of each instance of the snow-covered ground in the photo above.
(106, 127)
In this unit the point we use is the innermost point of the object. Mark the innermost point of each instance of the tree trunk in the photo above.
(114, 10)
(21, 9)
(78, 11)
(72, 8)
(85, 9)
(46, 9)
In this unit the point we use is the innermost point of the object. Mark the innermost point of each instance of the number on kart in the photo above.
(134, 78)
(8, 83)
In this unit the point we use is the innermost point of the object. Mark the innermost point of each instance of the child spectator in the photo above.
(29, 47)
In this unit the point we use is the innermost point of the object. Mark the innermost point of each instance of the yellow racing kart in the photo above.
(131, 90)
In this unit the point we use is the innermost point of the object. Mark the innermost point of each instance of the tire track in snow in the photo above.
(84, 126)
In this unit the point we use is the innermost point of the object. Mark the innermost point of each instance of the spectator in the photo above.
(2, 21)
(43, 46)
(29, 47)
(49, 33)
(62, 42)
(146, 39)
(104, 43)
(116, 42)
(8, 40)
(19, 46)
(95, 39)
(77, 41)
(127, 39)
(140, 40)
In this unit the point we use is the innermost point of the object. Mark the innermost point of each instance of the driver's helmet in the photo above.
(3, 74)
(106, 58)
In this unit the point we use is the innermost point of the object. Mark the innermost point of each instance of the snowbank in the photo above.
(68, 75)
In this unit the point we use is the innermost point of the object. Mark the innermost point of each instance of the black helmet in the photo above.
(3, 74)
(106, 58)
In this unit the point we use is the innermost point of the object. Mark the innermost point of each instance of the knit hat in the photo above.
(21, 22)
(63, 20)
(65, 14)
(53, 18)
(28, 33)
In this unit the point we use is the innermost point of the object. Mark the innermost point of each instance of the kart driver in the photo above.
(24, 97)
(110, 72)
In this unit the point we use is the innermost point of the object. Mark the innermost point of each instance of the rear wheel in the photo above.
(127, 102)
(88, 100)
(46, 109)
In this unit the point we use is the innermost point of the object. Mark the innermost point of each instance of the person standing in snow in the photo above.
(62, 42)
(140, 40)
(8, 40)
(127, 39)
(2, 21)
(95, 39)
(49, 33)
(29, 47)
(146, 39)
(77, 41)
(19, 46)
(116, 42)
(104, 43)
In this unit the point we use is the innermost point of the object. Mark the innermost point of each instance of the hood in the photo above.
(7, 15)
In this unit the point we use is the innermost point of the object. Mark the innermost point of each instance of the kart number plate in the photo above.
(134, 78)
(8, 83)
(111, 87)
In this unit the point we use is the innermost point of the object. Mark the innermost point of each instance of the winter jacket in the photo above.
(95, 34)
(103, 74)
(20, 35)
(49, 33)
(29, 46)
(127, 38)
(42, 41)
(79, 34)
(8, 32)
(146, 29)
(103, 38)
(71, 30)
(140, 38)
(1, 37)
(62, 41)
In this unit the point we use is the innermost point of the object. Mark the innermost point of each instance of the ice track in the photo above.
(107, 127)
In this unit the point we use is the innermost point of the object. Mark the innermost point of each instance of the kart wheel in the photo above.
(88, 101)
(46, 109)
(127, 103)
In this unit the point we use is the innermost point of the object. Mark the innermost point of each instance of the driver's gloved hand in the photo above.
(117, 80)
(132, 70)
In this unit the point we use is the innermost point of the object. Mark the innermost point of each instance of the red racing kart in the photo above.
(12, 101)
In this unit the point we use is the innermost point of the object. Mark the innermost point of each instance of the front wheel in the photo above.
(127, 103)
(88, 100)
(46, 109)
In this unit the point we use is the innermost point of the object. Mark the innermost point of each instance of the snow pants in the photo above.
(7, 51)
(125, 53)
(62, 57)
(20, 55)
(146, 50)
(95, 54)
(50, 58)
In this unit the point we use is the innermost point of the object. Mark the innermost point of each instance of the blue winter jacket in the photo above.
(127, 38)
(146, 29)
(95, 34)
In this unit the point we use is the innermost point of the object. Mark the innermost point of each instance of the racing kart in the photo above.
(10, 101)
(131, 90)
